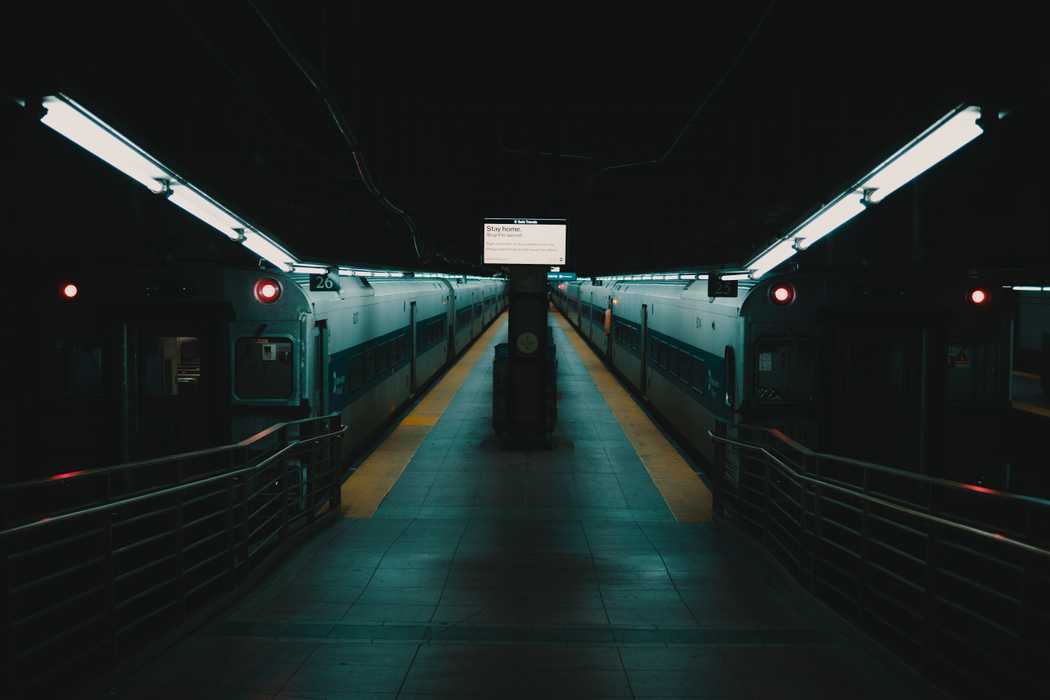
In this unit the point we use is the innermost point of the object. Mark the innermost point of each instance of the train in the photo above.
(906, 370)
(129, 363)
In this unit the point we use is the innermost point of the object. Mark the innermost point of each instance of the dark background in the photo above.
(468, 111)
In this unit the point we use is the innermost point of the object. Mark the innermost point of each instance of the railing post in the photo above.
(8, 611)
(815, 532)
(766, 516)
(231, 551)
(334, 450)
(284, 473)
(929, 627)
(863, 580)
(245, 484)
(180, 556)
(111, 589)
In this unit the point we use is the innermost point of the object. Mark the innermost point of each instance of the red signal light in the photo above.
(978, 296)
(267, 291)
(70, 291)
(782, 294)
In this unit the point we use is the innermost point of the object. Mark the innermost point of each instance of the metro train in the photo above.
(911, 372)
(139, 362)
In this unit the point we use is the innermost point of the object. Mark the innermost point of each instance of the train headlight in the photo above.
(782, 294)
(978, 296)
(267, 290)
(70, 291)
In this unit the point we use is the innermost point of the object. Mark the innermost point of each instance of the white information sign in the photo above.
(524, 242)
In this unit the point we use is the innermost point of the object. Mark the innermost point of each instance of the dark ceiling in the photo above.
(489, 110)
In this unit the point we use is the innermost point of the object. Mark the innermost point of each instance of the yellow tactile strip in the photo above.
(371, 482)
(684, 492)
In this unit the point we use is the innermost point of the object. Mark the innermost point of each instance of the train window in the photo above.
(169, 365)
(370, 364)
(263, 368)
(700, 376)
(357, 371)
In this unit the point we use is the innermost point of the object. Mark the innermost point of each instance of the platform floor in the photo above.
(496, 574)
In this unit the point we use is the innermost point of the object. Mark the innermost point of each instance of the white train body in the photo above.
(147, 362)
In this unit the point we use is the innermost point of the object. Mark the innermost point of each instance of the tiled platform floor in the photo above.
(541, 574)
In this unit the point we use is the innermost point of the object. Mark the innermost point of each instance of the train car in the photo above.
(912, 373)
(137, 362)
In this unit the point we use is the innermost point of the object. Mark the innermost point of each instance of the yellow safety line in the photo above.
(1027, 375)
(371, 482)
(685, 493)
(1031, 408)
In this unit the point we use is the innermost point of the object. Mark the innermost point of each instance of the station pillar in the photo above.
(524, 391)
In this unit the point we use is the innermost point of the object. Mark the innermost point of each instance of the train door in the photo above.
(607, 327)
(590, 319)
(412, 346)
(321, 392)
(875, 399)
(642, 342)
(171, 401)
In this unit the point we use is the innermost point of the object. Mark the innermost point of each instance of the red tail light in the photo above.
(782, 294)
(267, 290)
(978, 296)
(70, 291)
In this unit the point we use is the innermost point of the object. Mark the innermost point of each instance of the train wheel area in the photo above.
(522, 573)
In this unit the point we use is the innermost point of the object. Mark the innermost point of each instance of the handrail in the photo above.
(887, 504)
(167, 490)
(894, 471)
(146, 557)
(128, 466)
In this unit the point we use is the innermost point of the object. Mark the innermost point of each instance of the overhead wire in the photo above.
(321, 88)
(704, 102)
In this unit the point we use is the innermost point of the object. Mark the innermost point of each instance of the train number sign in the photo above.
(720, 288)
(323, 283)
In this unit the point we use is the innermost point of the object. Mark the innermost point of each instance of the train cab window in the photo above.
(263, 368)
(169, 365)
(784, 370)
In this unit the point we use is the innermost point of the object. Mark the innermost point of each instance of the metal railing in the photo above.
(99, 562)
(954, 577)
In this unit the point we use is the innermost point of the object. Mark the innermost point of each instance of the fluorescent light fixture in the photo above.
(1027, 288)
(734, 276)
(310, 269)
(92, 134)
(773, 256)
(200, 205)
(268, 250)
(946, 136)
(826, 220)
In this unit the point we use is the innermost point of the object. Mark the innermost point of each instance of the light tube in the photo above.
(310, 269)
(93, 135)
(201, 206)
(268, 250)
(949, 134)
